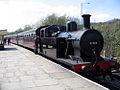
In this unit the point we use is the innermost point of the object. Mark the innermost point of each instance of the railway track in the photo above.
(111, 84)
(116, 74)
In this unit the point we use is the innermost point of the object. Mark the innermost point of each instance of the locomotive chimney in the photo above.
(86, 21)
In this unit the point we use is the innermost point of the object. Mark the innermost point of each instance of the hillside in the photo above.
(111, 33)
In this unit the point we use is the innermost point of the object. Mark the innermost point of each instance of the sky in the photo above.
(18, 13)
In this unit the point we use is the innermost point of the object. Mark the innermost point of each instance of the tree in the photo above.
(57, 20)
(26, 27)
(50, 20)
(111, 33)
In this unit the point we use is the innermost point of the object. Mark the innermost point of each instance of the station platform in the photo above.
(21, 69)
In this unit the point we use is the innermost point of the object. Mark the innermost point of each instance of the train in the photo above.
(78, 49)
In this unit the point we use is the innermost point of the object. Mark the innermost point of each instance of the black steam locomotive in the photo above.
(79, 49)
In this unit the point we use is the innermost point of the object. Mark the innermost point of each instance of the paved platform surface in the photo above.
(21, 69)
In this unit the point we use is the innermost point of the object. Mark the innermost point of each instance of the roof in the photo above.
(3, 32)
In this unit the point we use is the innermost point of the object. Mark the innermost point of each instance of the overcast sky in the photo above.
(18, 13)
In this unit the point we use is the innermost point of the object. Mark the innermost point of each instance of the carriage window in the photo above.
(25, 38)
(29, 37)
(32, 37)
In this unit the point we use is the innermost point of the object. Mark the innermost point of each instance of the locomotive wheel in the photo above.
(116, 66)
(87, 72)
(107, 72)
(104, 74)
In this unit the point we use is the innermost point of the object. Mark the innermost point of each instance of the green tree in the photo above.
(25, 28)
(50, 20)
(59, 20)
(111, 33)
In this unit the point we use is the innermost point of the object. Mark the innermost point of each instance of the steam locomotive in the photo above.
(79, 49)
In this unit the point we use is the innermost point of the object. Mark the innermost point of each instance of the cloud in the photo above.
(100, 17)
(17, 13)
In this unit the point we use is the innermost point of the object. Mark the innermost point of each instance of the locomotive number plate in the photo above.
(93, 43)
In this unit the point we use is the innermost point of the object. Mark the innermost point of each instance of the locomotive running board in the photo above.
(71, 62)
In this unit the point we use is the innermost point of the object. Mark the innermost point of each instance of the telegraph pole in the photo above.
(82, 7)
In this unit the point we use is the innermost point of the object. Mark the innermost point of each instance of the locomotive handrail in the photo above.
(95, 57)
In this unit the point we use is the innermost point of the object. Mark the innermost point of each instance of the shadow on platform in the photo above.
(9, 49)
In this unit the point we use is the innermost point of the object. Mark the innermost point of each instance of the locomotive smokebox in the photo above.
(86, 21)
